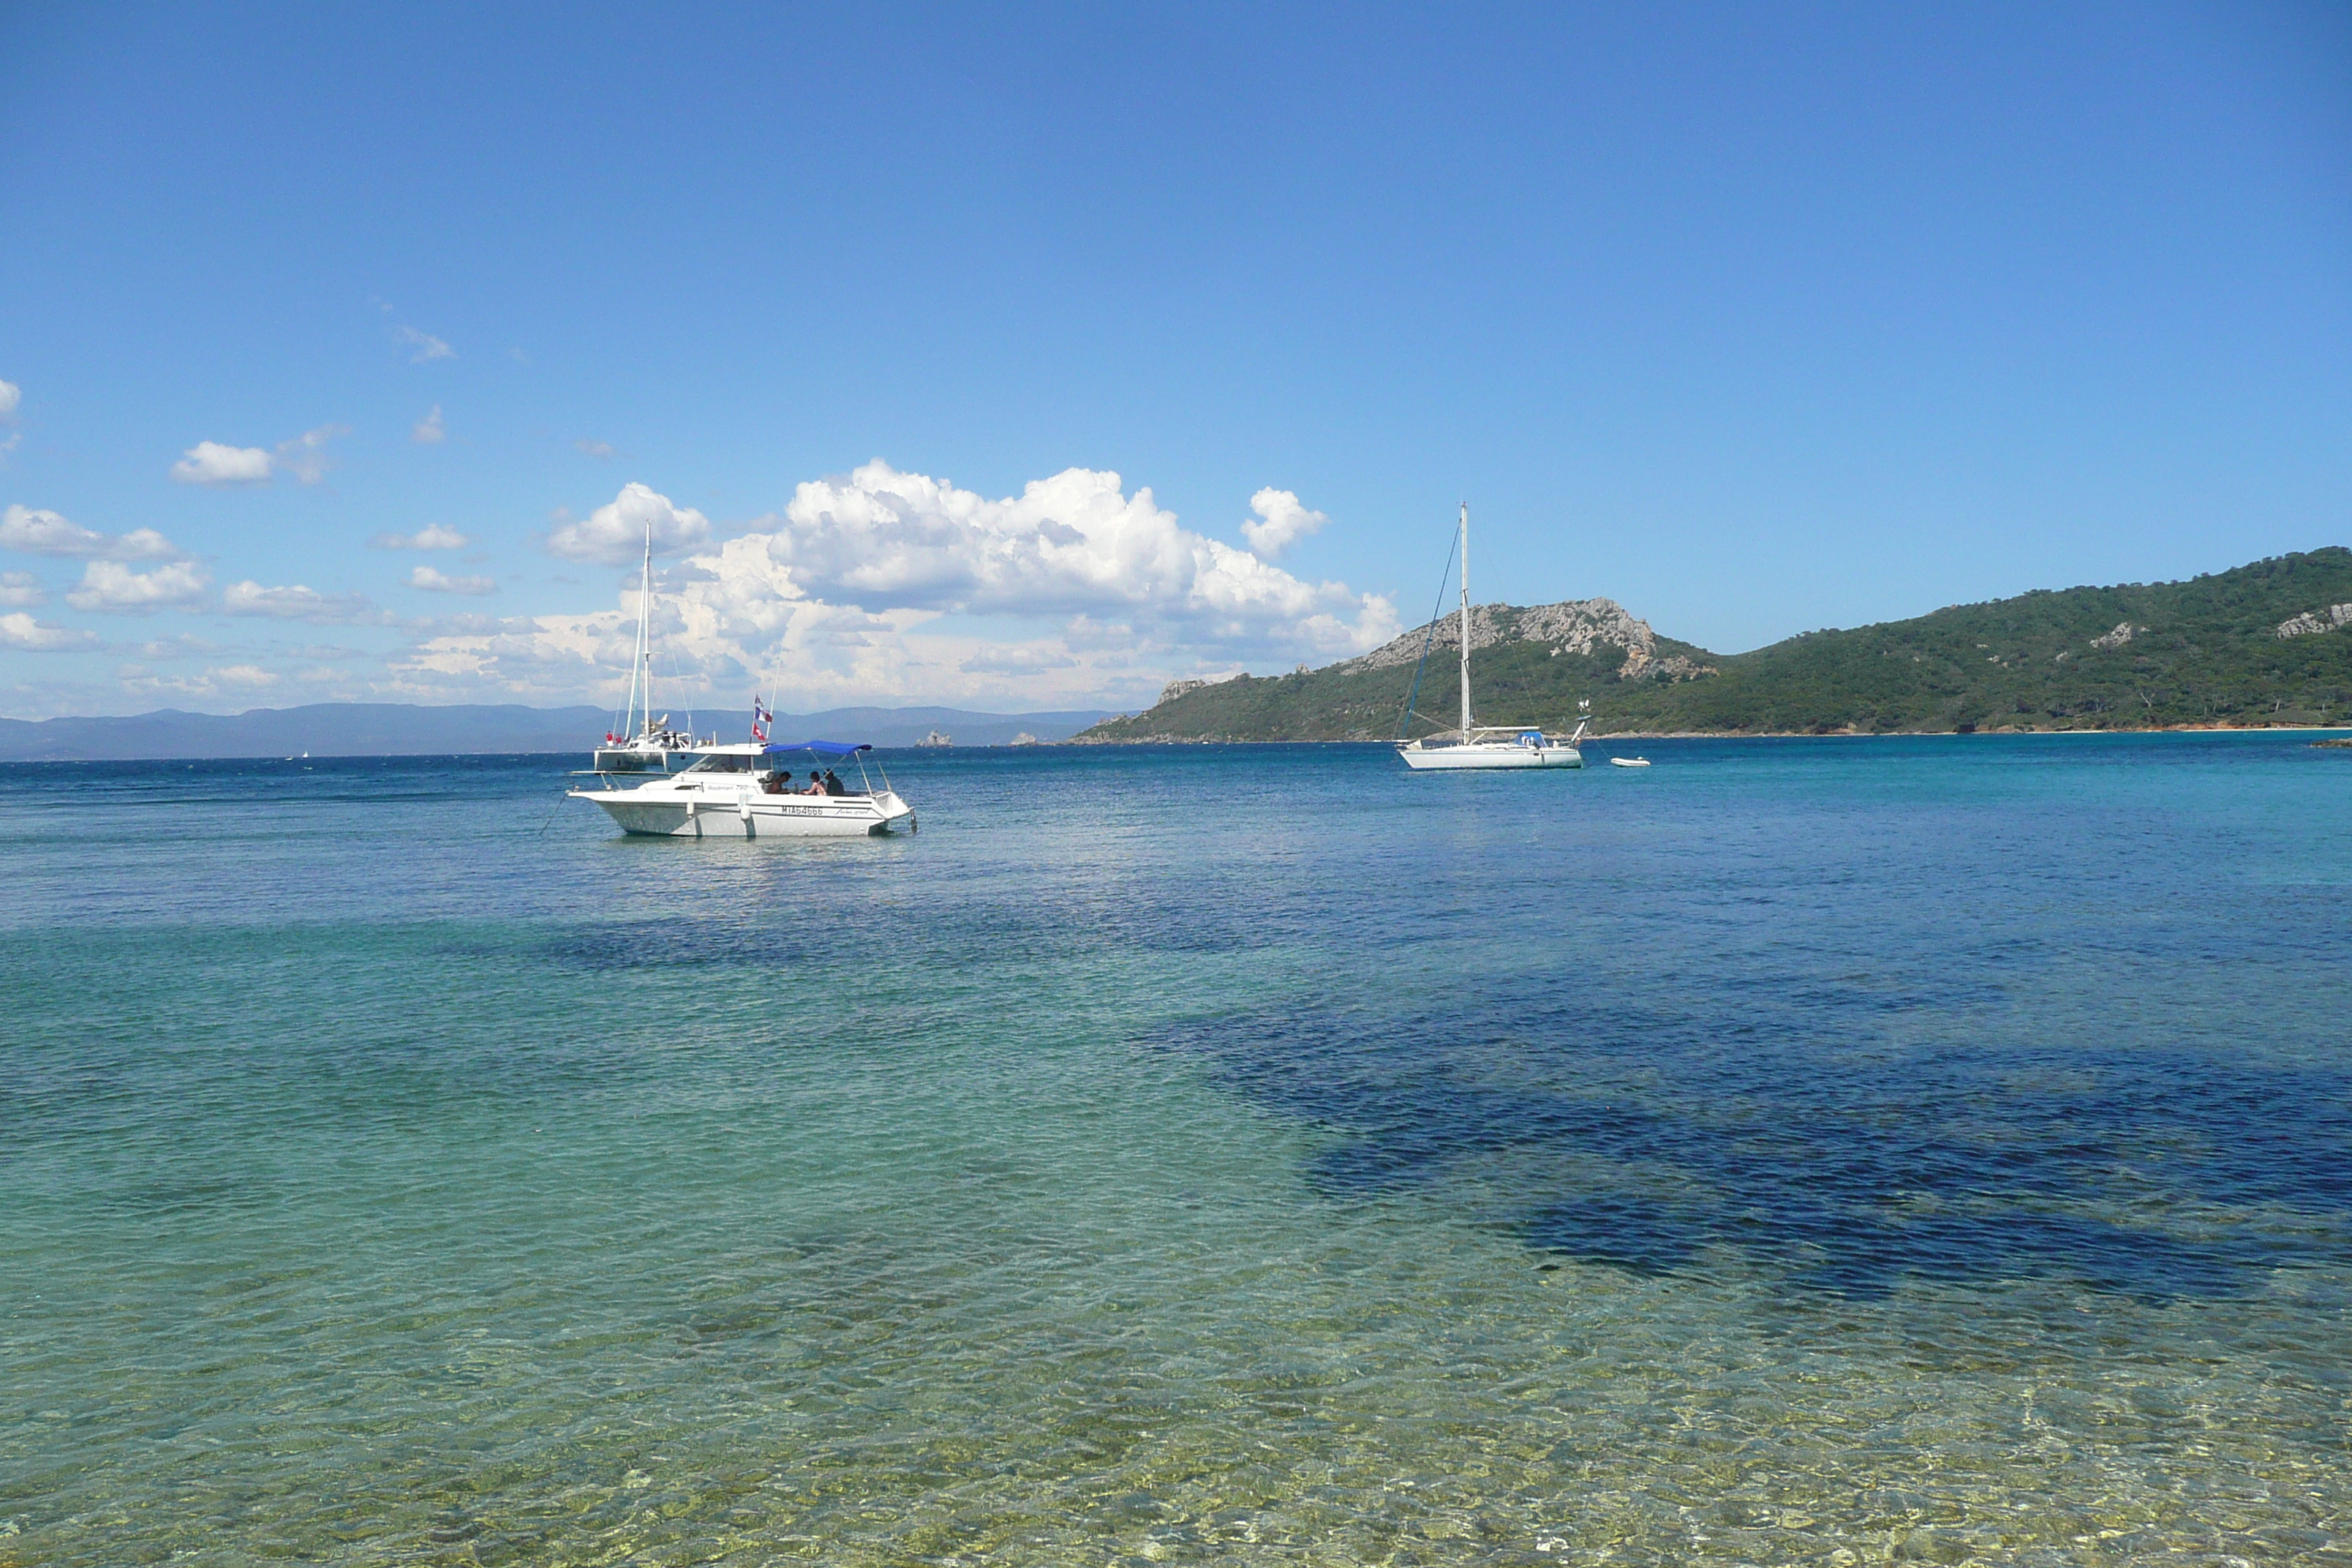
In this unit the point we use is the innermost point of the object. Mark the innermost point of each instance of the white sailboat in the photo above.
(643, 743)
(1475, 745)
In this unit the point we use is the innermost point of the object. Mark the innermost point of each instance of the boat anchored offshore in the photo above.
(1485, 745)
(745, 792)
(647, 747)
(1629, 761)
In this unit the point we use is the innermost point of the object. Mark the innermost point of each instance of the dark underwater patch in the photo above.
(1800, 1136)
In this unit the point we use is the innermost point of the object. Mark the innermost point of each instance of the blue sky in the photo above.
(1754, 319)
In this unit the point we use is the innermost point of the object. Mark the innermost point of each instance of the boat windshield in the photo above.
(726, 762)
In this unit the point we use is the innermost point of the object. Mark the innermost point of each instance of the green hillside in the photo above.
(2208, 651)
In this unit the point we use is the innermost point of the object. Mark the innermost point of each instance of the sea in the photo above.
(1824, 1151)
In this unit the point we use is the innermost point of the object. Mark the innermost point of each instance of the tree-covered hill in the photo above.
(2269, 643)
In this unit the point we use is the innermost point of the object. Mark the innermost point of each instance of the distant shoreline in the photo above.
(1172, 741)
(1590, 740)
(394, 729)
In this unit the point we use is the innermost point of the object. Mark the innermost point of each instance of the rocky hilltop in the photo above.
(1576, 627)
(2267, 643)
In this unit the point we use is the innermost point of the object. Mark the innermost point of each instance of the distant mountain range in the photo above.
(2264, 644)
(398, 729)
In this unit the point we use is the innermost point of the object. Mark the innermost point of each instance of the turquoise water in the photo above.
(1798, 1152)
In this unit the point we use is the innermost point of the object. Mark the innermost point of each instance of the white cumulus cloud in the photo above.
(1073, 544)
(22, 632)
(423, 346)
(11, 394)
(432, 536)
(615, 532)
(881, 583)
(429, 430)
(112, 586)
(434, 582)
(223, 467)
(1016, 660)
(1282, 522)
(210, 463)
(181, 645)
(296, 603)
(31, 531)
(305, 457)
(22, 589)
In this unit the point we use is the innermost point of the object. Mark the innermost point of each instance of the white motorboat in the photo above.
(641, 743)
(1629, 761)
(1477, 745)
(745, 792)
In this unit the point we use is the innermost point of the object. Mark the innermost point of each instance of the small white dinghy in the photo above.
(740, 791)
(1629, 761)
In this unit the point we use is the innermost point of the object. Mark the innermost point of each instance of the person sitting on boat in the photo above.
(771, 782)
(833, 784)
(817, 782)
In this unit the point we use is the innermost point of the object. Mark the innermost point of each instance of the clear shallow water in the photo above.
(1798, 1152)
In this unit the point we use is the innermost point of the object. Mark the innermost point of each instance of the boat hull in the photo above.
(1506, 754)
(754, 815)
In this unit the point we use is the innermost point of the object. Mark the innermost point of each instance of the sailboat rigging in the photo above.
(641, 743)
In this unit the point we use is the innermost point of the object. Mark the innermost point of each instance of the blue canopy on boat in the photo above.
(822, 747)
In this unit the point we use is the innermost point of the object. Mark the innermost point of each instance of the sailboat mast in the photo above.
(1466, 620)
(641, 666)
